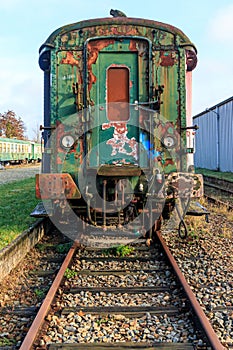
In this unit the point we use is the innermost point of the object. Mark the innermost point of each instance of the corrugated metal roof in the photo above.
(213, 107)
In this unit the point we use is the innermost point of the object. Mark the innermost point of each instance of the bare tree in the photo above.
(36, 134)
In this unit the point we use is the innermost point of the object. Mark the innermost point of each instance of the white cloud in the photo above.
(221, 25)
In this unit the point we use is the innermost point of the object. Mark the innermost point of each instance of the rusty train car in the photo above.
(117, 130)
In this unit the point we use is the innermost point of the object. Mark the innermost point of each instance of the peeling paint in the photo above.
(93, 51)
(120, 140)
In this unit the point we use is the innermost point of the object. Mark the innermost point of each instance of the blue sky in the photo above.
(26, 24)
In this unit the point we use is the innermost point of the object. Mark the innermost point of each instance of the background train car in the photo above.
(117, 121)
(13, 151)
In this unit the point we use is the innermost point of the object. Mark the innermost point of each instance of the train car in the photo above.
(14, 151)
(117, 124)
(36, 150)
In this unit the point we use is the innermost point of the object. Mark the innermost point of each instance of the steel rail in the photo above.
(209, 331)
(39, 319)
(218, 187)
(217, 201)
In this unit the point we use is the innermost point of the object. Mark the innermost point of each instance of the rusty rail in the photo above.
(217, 201)
(30, 338)
(209, 331)
(38, 321)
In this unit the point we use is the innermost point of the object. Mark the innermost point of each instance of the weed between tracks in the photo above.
(70, 273)
(17, 200)
(121, 250)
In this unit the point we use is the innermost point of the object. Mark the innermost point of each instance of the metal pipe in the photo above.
(89, 212)
(218, 135)
(47, 122)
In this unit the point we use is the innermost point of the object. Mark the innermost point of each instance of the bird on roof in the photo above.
(117, 13)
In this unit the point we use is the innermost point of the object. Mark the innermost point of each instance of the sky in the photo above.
(26, 24)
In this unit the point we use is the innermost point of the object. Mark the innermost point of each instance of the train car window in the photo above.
(118, 91)
(4, 147)
(8, 147)
(0, 147)
(15, 147)
(12, 147)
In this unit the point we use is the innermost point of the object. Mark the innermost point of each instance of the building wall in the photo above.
(214, 138)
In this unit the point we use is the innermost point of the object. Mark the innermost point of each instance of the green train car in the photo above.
(13, 151)
(118, 130)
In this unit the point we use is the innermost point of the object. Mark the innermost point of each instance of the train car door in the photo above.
(114, 86)
(32, 151)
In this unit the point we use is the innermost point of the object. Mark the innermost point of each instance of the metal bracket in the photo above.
(46, 127)
(194, 127)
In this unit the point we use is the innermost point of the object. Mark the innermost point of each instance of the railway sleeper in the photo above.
(124, 346)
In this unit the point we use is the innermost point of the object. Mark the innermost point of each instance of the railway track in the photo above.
(102, 301)
(219, 191)
(23, 289)
(216, 200)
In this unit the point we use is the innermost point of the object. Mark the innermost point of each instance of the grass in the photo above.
(4, 341)
(228, 176)
(70, 273)
(17, 200)
(121, 250)
(220, 223)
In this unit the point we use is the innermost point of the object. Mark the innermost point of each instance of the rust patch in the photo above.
(93, 50)
(54, 186)
(123, 30)
(70, 59)
(133, 45)
(167, 59)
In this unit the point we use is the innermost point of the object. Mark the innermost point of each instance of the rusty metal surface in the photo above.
(110, 170)
(56, 186)
(186, 185)
(38, 321)
(202, 318)
(118, 95)
(118, 21)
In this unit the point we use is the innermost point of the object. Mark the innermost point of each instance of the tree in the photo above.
(11, 125)
(36, 134)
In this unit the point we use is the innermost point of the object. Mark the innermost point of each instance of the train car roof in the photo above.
(7, 139)
(120, 21)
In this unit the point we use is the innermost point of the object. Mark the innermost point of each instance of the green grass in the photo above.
(121, 250)
(217, 174)
(70, 273)
(17, 200)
